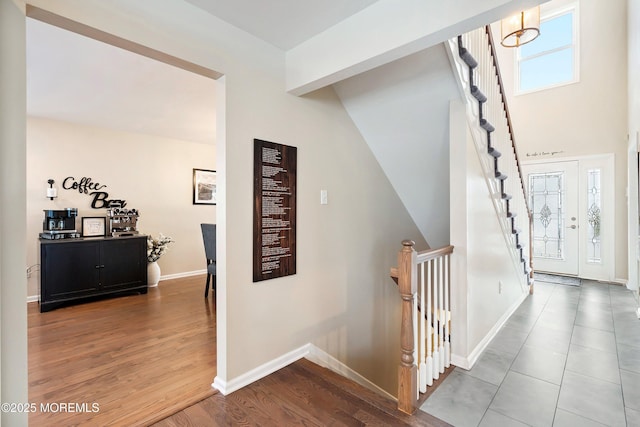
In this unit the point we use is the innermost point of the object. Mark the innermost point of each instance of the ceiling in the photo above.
(80, 80)
(283, 23)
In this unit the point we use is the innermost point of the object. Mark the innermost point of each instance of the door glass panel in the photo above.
(593, 216)
(545, 192)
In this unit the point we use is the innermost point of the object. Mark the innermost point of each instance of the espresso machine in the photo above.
(59, 224)
(122, 221)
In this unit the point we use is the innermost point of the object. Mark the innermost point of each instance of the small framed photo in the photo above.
(94, 226)
(204, 187)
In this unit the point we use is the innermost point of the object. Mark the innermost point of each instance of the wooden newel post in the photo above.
(407, 371)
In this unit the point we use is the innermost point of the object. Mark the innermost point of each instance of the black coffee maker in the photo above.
(60, 224)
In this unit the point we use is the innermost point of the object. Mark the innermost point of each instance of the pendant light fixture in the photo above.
(521, 28)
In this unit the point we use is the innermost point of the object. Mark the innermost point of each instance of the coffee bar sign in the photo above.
(86, 186)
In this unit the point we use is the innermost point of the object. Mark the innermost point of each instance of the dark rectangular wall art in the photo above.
(205, 187)
(274, 210)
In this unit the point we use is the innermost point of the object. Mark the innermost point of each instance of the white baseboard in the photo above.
(460, 361)
(324, 359)
(184, 274)
(620, 281)
(468, 361)
(36, 298)
(309, 351)
(227, 387)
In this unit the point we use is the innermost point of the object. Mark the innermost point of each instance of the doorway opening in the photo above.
(196, 282)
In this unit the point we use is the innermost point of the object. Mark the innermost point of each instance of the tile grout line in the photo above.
(566, 360)
(586, 295)
(514, 359)
(615, 337)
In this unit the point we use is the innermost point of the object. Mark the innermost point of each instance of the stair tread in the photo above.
(468, 58)
(493, 152)
(506, 196)
(484, 124)
(477, 94)
(500, 176)
(511, 214)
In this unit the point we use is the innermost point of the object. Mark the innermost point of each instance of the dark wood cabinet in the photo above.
(75, 270)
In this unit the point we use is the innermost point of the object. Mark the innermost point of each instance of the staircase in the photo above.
(424, 278)
(475, 61)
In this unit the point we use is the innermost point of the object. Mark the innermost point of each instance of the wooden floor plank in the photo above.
(301, 394)
(141, 357)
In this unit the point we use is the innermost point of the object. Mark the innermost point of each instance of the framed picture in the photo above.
(204, 187)
(94, 226)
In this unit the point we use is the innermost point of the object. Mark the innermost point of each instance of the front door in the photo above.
(573, 217)
(553, 199)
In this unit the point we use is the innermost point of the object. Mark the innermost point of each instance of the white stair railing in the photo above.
(433, 347)
(424, 281)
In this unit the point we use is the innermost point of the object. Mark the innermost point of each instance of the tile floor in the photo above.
(569, 356)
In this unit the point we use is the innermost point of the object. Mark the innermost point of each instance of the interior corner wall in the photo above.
(13, 282)
(153, 175)
(341, 298)
(585, 118)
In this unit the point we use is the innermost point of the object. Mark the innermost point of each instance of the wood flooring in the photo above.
(301, 394)
(141, 358)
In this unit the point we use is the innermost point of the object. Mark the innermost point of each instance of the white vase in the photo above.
(153, 274)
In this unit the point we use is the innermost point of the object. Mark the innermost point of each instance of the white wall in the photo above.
(588, 117)
(488, 284)
(153, 174)
(13, 283)
(402, 111)
(341, 298)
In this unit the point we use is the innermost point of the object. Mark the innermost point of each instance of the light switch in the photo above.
(323, 197)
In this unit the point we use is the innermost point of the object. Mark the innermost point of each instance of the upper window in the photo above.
(551, 59)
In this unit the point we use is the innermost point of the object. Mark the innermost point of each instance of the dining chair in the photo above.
(209, 238)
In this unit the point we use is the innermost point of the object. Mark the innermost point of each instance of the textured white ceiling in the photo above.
(80, 80)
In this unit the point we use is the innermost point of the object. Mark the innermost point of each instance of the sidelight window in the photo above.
(594, 212)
